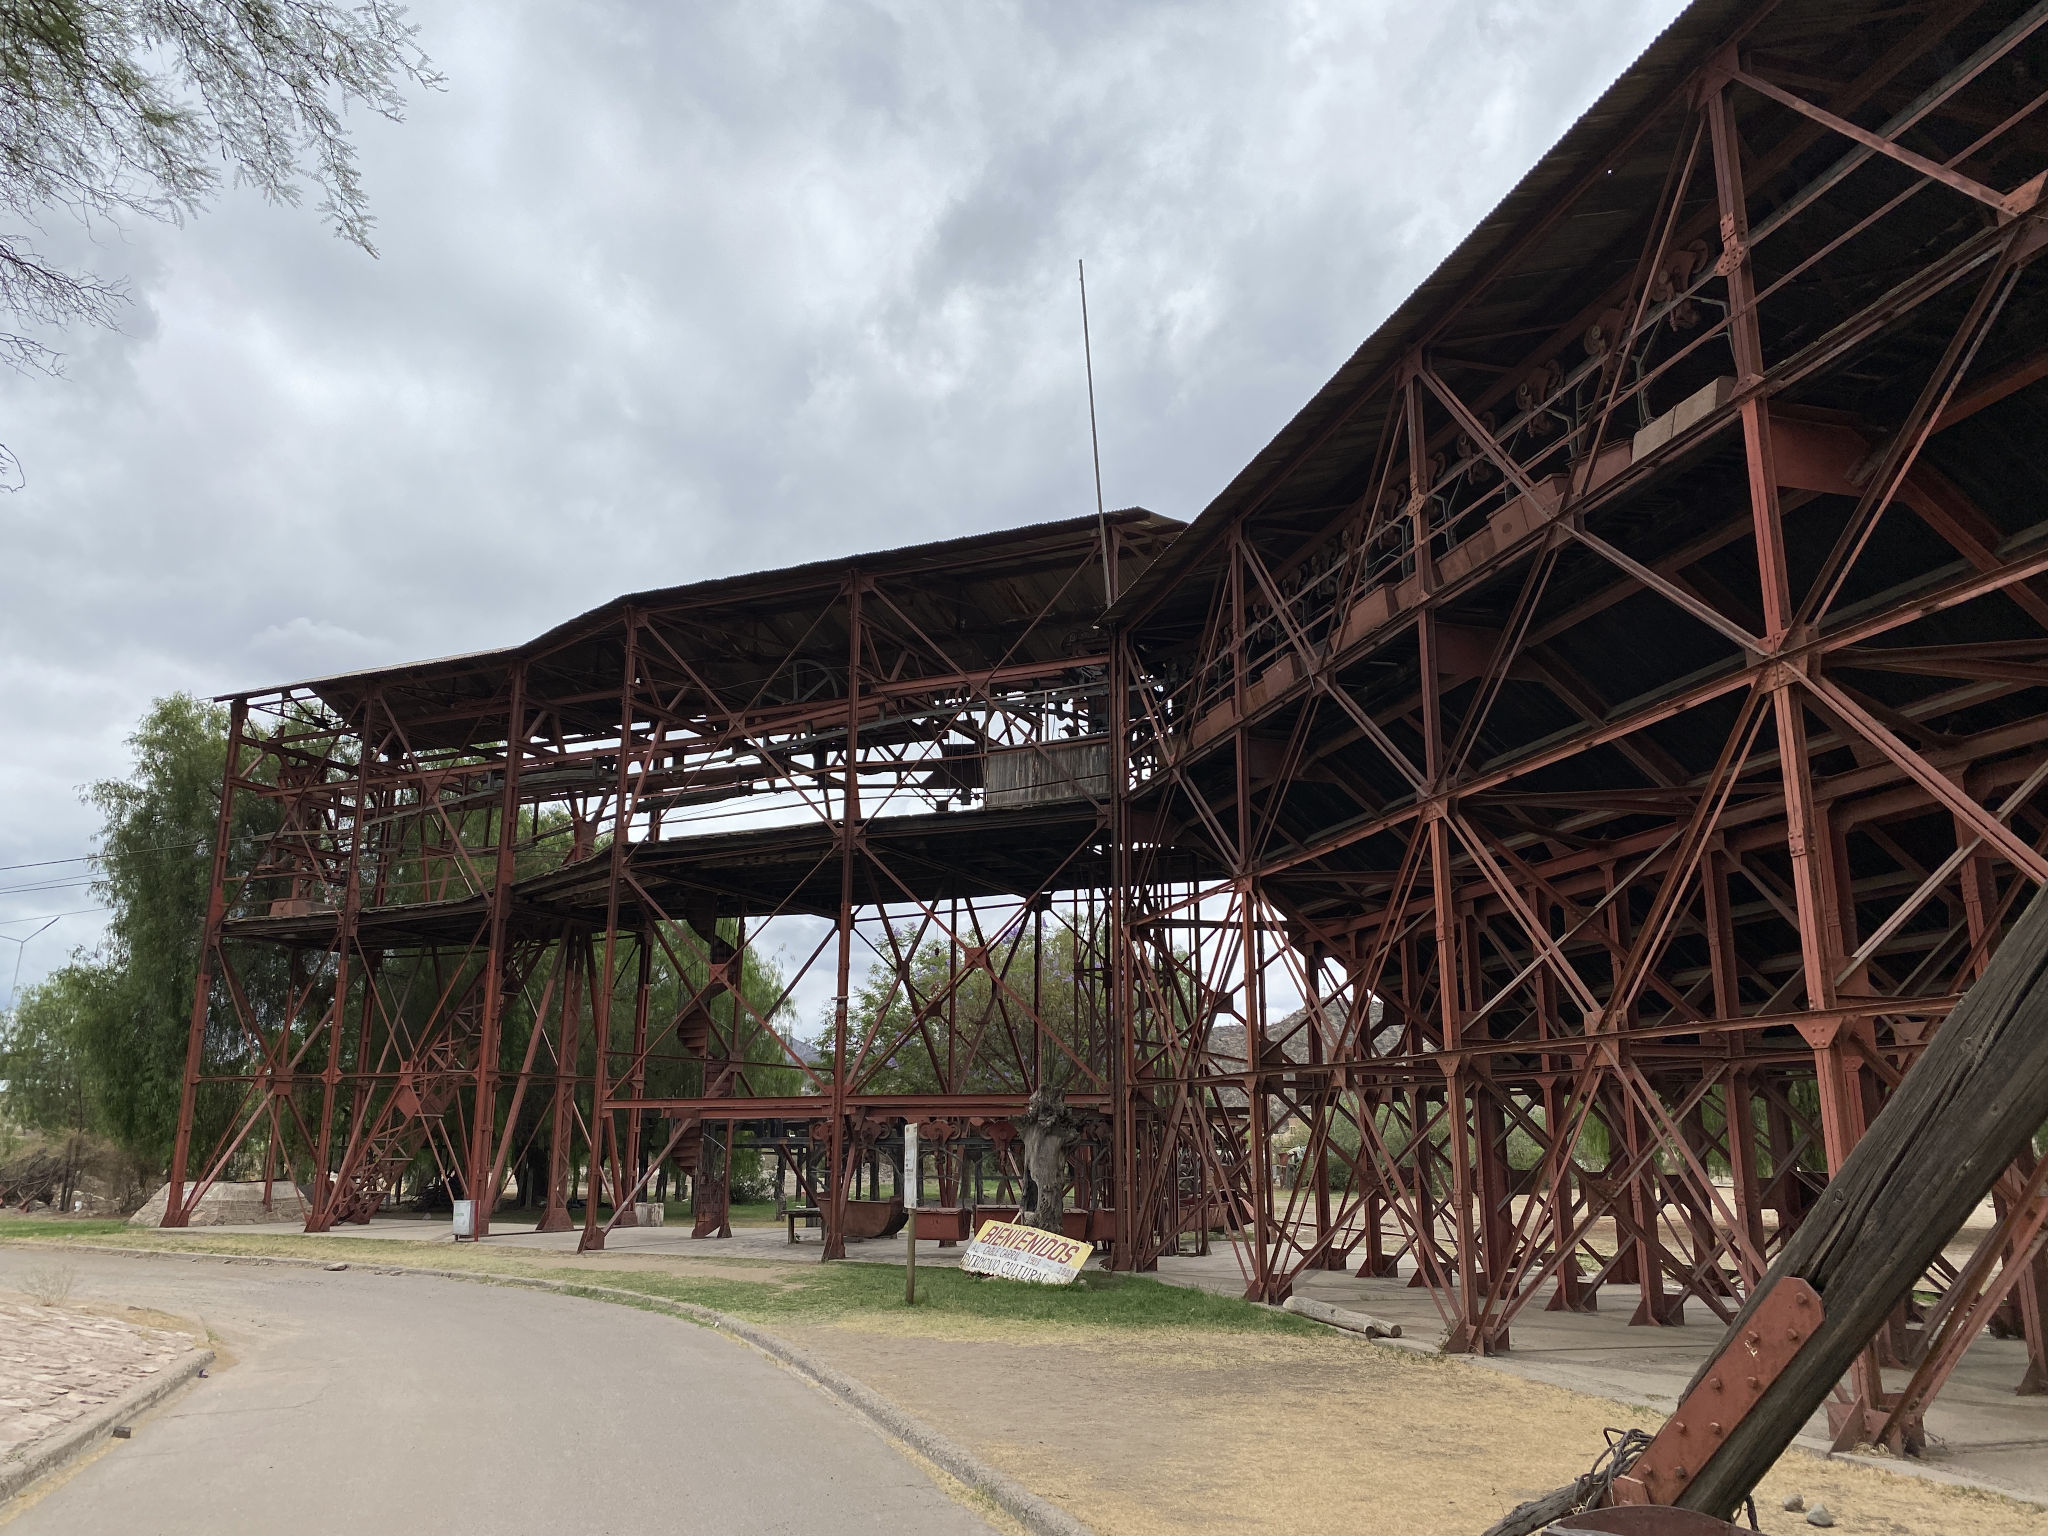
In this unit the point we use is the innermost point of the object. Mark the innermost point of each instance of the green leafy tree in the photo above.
(119, 1017)
(45, 1081)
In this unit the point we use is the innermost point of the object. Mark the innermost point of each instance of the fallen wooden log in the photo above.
(1342, 1317)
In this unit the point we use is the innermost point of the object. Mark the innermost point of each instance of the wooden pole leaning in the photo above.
(1970, 1104)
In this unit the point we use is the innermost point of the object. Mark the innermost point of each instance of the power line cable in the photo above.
(8, 922)
(47, 885)
(94, 858)
(83, 858)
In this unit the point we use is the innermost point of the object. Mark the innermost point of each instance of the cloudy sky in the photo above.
(668, 292)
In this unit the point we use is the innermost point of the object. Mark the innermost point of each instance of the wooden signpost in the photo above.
(912, 1178)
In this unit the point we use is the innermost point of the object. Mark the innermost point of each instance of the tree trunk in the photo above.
(1047, 1130)
(1041, 1204)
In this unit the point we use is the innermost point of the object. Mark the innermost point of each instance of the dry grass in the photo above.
(49, 1284)
(1192, 1430)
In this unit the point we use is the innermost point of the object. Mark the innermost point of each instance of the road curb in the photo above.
(42, 1457)
(1039, 1516)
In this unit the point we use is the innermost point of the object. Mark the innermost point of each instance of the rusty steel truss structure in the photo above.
(1581, 760)
(515, 894)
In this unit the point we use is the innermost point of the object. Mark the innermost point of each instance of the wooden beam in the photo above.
(1967, 1108)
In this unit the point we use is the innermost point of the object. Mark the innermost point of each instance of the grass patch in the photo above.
(61, 1226)
(741, 1213)
(752, 1213)
(1098, 1299)
(291, 1244)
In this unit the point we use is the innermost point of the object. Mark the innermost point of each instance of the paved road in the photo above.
(386, 1404)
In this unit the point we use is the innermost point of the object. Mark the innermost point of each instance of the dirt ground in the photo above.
(1197, 1430)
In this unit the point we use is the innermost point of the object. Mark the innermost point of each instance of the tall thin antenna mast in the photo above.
(1095, 442)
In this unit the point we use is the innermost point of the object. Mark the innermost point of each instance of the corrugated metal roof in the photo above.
(941, 553)
(1026, 595)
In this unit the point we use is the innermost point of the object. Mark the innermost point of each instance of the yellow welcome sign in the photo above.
(1010, 1252)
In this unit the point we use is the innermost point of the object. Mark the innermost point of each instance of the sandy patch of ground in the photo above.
(1144, 1433)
